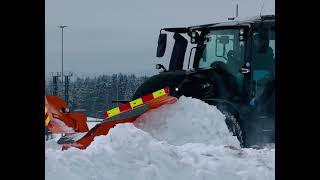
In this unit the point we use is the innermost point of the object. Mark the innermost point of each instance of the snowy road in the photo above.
(185, 140)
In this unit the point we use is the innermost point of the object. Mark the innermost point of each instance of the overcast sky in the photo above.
(111, 36)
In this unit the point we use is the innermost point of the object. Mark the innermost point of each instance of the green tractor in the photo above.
(233, 68)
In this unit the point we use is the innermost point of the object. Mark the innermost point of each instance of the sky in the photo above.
(120, 36)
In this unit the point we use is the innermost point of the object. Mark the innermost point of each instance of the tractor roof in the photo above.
(235, 22)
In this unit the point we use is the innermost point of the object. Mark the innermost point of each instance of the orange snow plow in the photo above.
(127, 112)
(60, 120)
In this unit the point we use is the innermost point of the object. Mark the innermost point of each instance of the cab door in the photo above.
(263, 90)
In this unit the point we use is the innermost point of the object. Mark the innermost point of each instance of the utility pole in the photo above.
(62, 27)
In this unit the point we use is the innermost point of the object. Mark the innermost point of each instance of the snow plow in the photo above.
(82, 137)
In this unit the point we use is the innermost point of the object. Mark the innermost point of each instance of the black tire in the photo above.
(232, 120)
(234, 127)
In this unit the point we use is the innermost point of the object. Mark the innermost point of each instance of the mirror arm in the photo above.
(190, 56)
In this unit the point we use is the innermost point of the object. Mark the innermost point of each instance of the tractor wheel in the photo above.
(232, 120)
(234, 127)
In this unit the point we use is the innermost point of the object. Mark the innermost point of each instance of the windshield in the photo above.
(223, 46)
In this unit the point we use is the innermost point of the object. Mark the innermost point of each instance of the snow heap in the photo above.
(187, 121)
(185, 140)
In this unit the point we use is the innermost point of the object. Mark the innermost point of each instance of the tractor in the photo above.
(233, 68)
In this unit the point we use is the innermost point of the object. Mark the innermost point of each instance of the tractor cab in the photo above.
(244, 49)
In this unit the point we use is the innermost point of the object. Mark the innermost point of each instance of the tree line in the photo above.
(95, 94)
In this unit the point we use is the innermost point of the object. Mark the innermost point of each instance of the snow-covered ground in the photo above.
(185, 140)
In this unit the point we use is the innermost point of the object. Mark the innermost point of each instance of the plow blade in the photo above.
(125, 113)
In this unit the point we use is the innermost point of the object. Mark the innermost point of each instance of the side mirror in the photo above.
(224, 40)
(162, 43)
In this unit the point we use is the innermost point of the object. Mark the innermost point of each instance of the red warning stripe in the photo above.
(136, 102)
(124, 107)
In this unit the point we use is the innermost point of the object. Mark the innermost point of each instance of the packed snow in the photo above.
(185, 140)
(187, 121)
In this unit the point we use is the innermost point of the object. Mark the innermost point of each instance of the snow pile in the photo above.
(189, 120)
(128, 152)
